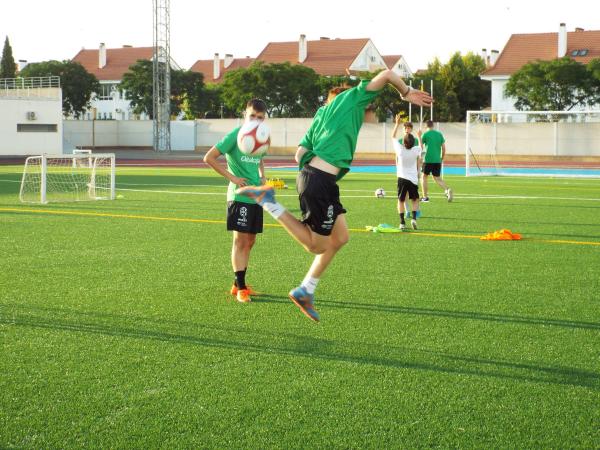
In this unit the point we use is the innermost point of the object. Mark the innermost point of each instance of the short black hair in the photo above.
(430, 123)
(408, 141)
(408, 124)
(257, 104)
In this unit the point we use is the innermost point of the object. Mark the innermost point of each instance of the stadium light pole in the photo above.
(161, 76)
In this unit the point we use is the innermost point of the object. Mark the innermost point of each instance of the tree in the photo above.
(188, 93)
(557, 85)
(289, 90)
(137, 86)
(8, 68)
(77, 84)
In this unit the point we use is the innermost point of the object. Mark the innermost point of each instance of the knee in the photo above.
(340, 241)
(315, 248)
(244, 244)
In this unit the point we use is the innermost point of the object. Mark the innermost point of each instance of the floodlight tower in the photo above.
(161, 76)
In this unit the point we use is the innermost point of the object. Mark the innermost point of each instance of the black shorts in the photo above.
(244, 217)
(319, 197)
(434, 169)
(407, 187)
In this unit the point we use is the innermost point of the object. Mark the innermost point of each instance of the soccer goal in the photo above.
(530, 143)
(68, 178)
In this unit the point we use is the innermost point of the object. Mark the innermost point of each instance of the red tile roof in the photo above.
(324, 56)
(205, 67)
(390, 60)
(523, 48)
(118, 61)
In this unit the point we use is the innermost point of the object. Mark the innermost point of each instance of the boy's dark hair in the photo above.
(408, 141)
(257, 104)
(408, 124)
(430, 124)
(334, 92)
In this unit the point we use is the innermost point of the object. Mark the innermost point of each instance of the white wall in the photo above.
(575, 139)
(13, 111)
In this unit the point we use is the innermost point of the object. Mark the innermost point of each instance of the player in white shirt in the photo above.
(408, 166)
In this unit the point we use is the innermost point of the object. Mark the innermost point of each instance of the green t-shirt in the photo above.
(334, 131)
(239, 164)
(432, 144)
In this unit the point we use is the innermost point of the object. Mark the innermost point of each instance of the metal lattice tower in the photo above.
(161, 75)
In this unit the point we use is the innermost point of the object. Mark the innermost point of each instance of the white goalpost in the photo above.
(68, 178)
(532, 143)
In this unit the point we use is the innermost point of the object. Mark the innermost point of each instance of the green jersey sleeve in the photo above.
(228, 143)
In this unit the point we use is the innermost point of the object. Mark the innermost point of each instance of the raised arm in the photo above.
(407, 93)
(396, 126)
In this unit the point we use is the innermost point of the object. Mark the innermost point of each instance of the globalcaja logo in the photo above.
(243, 211)
(250, 159)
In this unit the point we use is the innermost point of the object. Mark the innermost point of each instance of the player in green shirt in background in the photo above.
(244, 216)
(434, 144)
(324, 155)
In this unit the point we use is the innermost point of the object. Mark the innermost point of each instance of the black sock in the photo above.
(402, 218)
(415, 215)
(240, 279)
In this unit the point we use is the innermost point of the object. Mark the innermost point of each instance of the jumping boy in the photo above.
(324, 156)
(244, 216)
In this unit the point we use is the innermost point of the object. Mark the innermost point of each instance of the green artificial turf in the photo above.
(117, 329)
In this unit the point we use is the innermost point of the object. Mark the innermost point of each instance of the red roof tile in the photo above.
(390, 60)
(118, 61)
(205, 67)
(324, 56)
(524, 48)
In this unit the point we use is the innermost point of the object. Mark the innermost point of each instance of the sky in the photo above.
(41, 30)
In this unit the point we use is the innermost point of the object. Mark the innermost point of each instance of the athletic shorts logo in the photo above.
(242, 221)
(327, 224)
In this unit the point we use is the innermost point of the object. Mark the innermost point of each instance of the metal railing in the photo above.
(30, 83)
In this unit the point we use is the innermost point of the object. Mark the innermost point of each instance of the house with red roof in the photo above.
(327, 57)
(109, 65)
(580, 45)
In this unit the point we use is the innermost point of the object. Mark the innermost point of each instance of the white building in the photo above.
(580, 45)
(31, 116)
(109, 65)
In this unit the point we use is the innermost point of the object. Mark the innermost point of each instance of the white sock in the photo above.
(276, 209)
(310, 284)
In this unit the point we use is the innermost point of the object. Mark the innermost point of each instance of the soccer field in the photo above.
(117, 329)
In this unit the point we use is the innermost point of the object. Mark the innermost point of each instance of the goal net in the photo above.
(530, 143)
(68, 178)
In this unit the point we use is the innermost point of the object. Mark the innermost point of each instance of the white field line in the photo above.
(463, 196)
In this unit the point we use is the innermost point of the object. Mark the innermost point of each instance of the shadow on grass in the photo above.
(271, 343)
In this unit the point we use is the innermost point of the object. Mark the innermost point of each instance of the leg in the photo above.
(440, 182)
(240, 250)
(303, 296)
(338, 238)
(424, 184)
(240, 255)
(265, 197)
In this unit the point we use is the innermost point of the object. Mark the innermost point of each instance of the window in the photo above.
(106, 91)
(37, 128)
(580, 52)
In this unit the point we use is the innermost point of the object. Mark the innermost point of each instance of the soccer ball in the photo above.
(254, 138)
(379, 193)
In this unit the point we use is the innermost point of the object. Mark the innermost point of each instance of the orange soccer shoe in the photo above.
(243, 296)
(234, 290)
